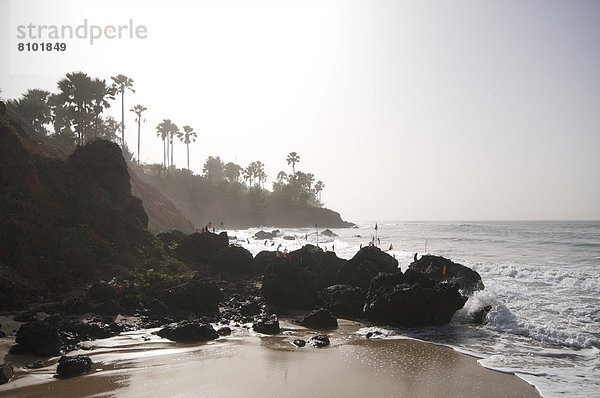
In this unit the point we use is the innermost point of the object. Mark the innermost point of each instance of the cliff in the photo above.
(65, 219)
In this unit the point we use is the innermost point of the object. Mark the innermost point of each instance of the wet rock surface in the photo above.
(441, 269)
(189, 331)
(319, 319)
(73, 366)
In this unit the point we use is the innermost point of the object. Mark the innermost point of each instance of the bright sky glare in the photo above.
(437, 110)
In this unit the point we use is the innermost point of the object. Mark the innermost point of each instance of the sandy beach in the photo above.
(140, 364)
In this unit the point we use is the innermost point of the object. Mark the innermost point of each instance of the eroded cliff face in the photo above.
(64, 219)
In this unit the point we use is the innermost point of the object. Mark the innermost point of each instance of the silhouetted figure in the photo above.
(415, 257)
(221, 224)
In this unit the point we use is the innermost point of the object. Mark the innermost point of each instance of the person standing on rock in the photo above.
(415, 257)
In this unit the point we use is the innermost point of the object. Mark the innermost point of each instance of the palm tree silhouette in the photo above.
(319, 188)
(188, 136)
(164, 130)
(292, 159)
(138, 110)
(121, 83)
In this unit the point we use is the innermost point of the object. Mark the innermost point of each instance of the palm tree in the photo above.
(77, 97)
(35, 107)
(292, 159)
(319, 188)
(188, 136)
(138, 110)
(232, 171)
(162, 130)
(121, 83)
(174, 130)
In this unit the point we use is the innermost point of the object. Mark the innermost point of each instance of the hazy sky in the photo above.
(446, 110)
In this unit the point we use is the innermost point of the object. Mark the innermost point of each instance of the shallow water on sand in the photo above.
(250, 365)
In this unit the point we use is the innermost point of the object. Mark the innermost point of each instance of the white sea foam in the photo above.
(542, 281)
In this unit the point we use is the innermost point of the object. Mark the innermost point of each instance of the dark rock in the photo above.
(6, 373)
(73, 366)
(77, 306)
(224, 331)
(2, 334)
(262, 235)
(197, 296)
(299, 343)
(289, 285)
(344, 300)
(329, 233)
(364, 266)
(479, 317)
(234, 260)
(202, 247)
(104, 162)
(54, 335)
(324, 265)
(412, 304)
(172, 238)
(110, 307)
(250, 308)
(267, 325)
(189, 331)
(47, 337)
(319, 341)
(320, 319)
(371, 335)
(441, 269)
(288, 237)
(103, 291)
(37, 364)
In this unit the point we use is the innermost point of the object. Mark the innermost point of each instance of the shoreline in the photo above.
(253, 365)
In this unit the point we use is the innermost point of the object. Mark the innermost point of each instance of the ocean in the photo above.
(542, 280)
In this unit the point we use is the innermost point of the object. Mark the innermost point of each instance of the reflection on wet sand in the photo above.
(137, 364)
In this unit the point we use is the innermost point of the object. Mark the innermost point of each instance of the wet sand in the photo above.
(247, 365)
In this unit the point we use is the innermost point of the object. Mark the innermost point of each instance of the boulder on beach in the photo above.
(324, 265)
(189, 331)
(289, 285)
(344, 300)
(202, 247)
(6, 373)
(364, 266)
(267, 325)
(54, 335)
(234, 260)
(392, 300)
(319, 319)
(73, 366)
(320, 340)
(329, 233)
(262, 235)
(441, 269)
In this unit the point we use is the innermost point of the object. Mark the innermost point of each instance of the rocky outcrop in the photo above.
(364, 266)
(319, 319)
(234, 260)
(202, 247)
(345, 301)
(267, 325)
(73, 366)
(441, 269)
(6, 373)
(55, 335)
(65, 219)
(324, 265)
(394, 299)
(189, 331)
(289, 285)
(329, 233)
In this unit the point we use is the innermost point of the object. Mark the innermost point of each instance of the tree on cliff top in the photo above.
(121, 83)
(35, 107)
(138, 110)
(292, 159)
(187, 137)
